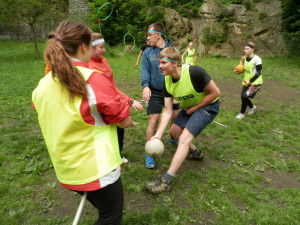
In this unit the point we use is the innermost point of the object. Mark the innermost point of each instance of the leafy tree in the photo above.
(128, 16)
(33, 13)
(291, 25)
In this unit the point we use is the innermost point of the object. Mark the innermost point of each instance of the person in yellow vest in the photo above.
(252, 80)
(190, 53)
(81, 136)
(198, 97)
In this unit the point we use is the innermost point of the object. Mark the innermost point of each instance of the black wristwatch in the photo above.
(131, 102)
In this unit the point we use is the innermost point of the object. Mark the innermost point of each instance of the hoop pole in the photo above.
(80, 207)
(99, 20)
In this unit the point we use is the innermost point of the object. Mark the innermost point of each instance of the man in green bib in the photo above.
(198, 97)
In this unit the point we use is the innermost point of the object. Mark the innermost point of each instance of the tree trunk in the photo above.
(34, 39)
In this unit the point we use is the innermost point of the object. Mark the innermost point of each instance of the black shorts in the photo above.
(156, 102)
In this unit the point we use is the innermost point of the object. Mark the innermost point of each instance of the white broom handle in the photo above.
(78, 213)
(219, 124)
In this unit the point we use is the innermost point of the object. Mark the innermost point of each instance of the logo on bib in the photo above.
(186, 97)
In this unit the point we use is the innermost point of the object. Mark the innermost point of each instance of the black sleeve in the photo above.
(143, 48)
(199, 78)
(165, 92)
(258, 73)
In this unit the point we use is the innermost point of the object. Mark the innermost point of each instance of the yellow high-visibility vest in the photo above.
(248, 68)
(189, 59)
(80, 152)
(183, 90)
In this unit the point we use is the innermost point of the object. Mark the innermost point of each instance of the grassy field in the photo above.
(251, 173)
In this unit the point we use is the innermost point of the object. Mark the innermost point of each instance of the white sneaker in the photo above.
(251, 111)
(239, 116)
(124, 160)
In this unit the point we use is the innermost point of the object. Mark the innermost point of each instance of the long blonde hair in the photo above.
(69, 35)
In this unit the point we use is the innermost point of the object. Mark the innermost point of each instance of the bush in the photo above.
(249, 5)
(218, 34)
(131, 16)
(134, 16)
(291, 26)
(248, 36)
(228, 2)
(262, 16)
(292, 42)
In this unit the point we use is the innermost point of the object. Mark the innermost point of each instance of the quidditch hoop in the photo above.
(132, 38)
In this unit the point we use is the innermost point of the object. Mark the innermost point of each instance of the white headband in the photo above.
(97, 42)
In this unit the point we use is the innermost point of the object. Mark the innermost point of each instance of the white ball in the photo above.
(154, 147)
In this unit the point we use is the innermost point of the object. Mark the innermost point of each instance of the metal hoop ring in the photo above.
(124, 39)
(112, 8)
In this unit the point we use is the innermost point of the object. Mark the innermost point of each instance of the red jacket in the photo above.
(103, 66)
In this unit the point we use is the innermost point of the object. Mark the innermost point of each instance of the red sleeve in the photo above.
(109, 103)
(123, 96)
(105, 68)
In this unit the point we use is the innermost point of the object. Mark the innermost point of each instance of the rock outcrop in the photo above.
(261, 24)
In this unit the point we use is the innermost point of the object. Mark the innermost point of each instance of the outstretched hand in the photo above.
(137, 105)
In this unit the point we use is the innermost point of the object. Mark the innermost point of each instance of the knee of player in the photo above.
(153, 122)
(171, 133)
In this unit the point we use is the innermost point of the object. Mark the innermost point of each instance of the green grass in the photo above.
(250, 174)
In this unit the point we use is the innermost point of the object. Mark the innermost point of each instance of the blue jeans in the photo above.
(196, 122)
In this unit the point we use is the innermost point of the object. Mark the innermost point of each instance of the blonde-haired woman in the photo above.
(190, 53)
(252, 80)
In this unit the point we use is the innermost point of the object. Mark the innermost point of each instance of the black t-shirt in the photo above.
(199, 79)
(143, 48)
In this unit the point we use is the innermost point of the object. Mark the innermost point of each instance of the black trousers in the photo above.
(109, 202)
(121, 132)
(247, 93)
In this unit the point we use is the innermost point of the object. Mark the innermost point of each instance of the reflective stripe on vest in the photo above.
(80, 152)
(183, 90)
(248, 74)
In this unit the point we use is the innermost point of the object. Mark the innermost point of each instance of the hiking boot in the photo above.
(172, 141)
(150, 163)
(159, 186)
(239, 116)
(196, 154)
(251, 111)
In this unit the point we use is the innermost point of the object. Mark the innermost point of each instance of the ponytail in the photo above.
(68, 37)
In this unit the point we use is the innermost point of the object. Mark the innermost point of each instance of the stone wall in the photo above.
(21, 31)
(79, 10)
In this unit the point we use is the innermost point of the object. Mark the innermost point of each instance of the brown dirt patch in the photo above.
(280, 181)
(272, 91)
